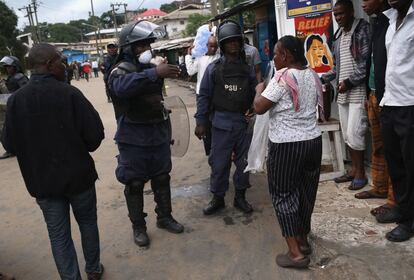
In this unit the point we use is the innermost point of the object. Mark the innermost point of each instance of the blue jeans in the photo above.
(57, 218)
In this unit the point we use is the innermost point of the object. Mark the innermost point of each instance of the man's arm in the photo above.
(6, 135)
(257, 65)
(362, 55)
(191, 65)
(126, 84)
(204, 96)
(88, 122)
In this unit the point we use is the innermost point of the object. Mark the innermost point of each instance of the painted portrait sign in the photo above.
(296, 8)
(316, 33)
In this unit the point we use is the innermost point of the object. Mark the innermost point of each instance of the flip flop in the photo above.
(306, 250)
(369, 194)
(343, 179)
(285, 260)
(358, 184)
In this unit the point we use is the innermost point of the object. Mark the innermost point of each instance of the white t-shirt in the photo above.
(94, 64)
(199, 66)
(285, 124)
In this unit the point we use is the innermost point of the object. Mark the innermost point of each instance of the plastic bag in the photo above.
(256, 157)
(200, 41)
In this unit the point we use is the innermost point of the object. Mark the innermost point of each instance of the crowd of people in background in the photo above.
(372, 75)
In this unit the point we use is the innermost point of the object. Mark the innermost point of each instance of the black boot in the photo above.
(241, 203)
(160, 186)
(135, 202)
(140, 236)
(215, 204)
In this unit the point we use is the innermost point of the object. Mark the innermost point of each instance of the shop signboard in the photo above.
(296, 8)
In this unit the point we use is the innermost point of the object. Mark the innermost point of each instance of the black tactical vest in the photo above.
(231, 90)
(145, 107)
(16, 81)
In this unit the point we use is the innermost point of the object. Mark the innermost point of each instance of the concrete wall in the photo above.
(175, 27)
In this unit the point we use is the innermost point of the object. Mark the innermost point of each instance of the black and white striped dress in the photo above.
(295, 152)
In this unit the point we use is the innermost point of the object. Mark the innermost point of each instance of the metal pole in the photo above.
(115, 24)
(37, 22)
(96, 34)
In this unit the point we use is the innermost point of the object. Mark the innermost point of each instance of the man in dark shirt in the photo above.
(376, 66)
(109, 61)
(51, 128)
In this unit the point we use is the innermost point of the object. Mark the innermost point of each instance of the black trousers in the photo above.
(293, 175)
(397, 129)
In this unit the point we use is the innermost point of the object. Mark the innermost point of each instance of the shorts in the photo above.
(354, 124)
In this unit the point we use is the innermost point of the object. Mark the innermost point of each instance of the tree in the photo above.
(194, 22)
(9, 45)
(169, 7)
(61, 32)
(107, 19)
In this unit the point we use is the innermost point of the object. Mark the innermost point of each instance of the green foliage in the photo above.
(194, 22)
(107, 19)
(169, 7)
(8, 32)
(61, 32)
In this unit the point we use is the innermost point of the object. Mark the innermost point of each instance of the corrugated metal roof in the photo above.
(246, 5)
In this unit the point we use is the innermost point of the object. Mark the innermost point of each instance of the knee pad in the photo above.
(161, 181)
(135, 187)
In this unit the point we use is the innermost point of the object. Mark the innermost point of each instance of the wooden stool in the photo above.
(334, 130)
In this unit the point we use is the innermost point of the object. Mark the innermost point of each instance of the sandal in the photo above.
(380, 210)
(306, 250)
(369, 194)
(286, 260)
(343, 179)
(358, 184)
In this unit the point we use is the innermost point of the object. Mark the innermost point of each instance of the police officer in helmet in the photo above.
(15, 77)
(144, 130)
(15, 80)
(225, 99)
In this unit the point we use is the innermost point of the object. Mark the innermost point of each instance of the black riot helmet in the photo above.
(136, 32)
(140, 31)
(229, 29)
(10, 60)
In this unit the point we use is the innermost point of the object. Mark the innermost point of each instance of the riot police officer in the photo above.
(109, 60)
(15, 77)
(226, 97)
(144, 130)
(15, 80)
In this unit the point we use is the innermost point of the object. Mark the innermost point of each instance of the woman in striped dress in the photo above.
(295, 147)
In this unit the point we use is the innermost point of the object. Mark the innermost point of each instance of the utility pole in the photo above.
(114, 15)
(221, 5)
(29, 13)
(125, 12)
(97, 24)
(34, 5)
(213, 4)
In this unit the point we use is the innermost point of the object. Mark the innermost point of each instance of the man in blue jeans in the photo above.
(51, 128)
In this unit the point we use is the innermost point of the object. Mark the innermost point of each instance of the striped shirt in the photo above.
(357, 94)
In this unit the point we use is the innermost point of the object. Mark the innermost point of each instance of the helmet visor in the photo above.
(6, 61)
(148, 29)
